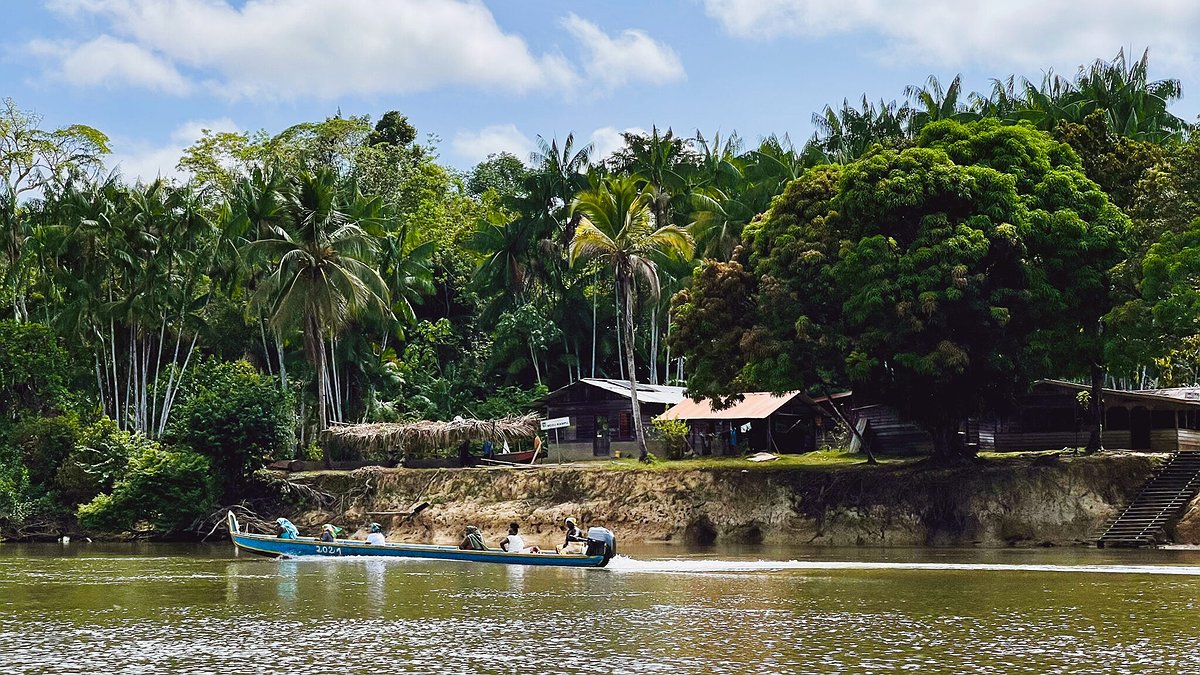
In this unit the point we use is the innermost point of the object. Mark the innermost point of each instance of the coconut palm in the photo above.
(321, 270)
(617, 228)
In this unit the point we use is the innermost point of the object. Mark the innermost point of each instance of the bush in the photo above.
(45, 444)
(34, 370)
(672, 434)
(16, 499)
(162, 488)
(100, 457)
(237, 417)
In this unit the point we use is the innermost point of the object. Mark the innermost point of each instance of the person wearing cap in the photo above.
(375, 537)
(574, 536)
(286, 529)
(473, 540)
(329, 533)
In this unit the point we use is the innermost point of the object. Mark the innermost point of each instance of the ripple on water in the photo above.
(215, 615)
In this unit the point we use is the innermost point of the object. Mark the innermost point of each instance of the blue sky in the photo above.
(491, 76)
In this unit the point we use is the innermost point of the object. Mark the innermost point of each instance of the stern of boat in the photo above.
(601, 541)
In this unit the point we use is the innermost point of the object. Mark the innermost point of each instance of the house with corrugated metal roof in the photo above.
(600, 417)
(759, 422)
(1051, 416)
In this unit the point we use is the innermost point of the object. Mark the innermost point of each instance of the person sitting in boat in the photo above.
(375, 538)
(515, 543)
(473, 540)
(329, 532)
(574, 536)
(286, 529)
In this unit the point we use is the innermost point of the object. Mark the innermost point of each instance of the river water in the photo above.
(156, 608)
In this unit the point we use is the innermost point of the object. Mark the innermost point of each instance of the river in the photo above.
(155, 608)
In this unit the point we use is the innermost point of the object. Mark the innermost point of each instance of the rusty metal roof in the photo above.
(754, 406)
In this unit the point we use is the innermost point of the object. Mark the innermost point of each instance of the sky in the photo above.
(487, 77)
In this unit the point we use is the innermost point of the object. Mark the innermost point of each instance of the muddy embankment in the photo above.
(1021, 502)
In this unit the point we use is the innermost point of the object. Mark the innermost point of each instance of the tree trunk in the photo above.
(947, 446)
(595, 295)
(1096, 397)
(667, 360)
(627, 285)
(618, 287)
(1096, 411)
(283, 380)
(315, 346)
(654, 345)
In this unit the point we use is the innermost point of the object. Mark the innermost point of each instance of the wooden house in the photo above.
(1051, 417)
(601, 419)
(760, 422)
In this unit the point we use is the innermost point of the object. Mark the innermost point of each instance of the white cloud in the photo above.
(1014, 33)
(607, 140)
(145, 161)
(632, 56)
(107, 61)
(328, 48)
(475, 146)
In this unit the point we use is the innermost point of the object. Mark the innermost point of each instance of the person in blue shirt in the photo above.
(286, 529)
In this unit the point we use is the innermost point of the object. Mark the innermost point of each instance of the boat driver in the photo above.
(375, 538)
(573, 539)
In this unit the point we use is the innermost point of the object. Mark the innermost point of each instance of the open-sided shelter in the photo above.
(761, 421)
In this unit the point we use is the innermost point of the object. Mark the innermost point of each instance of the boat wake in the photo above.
(693, 566)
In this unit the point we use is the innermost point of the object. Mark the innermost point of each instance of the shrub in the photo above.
(240, 419)
(163, 488)
(16, 499)
(45, 444)
(672, 434)
(34, 370)
(100, 457)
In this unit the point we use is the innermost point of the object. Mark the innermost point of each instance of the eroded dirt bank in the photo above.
(1060, 501)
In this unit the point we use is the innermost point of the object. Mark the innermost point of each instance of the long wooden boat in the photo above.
(600, 549)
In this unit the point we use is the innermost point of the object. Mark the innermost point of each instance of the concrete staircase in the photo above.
(1159, 503)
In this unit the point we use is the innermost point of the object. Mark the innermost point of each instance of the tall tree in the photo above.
(322, 271)
(617, 227)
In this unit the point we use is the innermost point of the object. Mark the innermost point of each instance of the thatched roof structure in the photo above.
(429, 435)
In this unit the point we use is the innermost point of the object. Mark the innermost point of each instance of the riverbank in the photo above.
(1023, 500)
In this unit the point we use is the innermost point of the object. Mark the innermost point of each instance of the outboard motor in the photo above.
(601, 541)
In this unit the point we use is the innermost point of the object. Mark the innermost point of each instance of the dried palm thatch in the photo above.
(430, 435)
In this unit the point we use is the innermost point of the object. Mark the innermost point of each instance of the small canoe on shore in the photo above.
(600, 549)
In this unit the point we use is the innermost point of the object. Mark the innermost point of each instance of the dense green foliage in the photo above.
(236, 417)
(168, 490)
(941, 278)
(936, 254)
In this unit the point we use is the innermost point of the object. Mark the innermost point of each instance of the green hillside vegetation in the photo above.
(164, 339)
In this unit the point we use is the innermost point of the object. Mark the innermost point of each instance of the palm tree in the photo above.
(617, 227)
(845, 134)
(661, 160)
(932, 103)
(321, 271)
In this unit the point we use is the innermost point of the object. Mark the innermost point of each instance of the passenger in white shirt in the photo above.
(375, 538)
(514, 543)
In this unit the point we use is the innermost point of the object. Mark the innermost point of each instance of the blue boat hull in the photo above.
(309, 547)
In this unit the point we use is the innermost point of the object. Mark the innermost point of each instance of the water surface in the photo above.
(121, 608)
